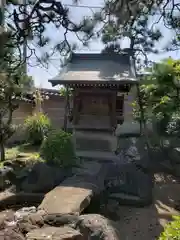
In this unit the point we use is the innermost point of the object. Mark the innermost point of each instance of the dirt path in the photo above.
(147, 223)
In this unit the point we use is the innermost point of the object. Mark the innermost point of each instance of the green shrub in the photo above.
(58, 149)
(37, 126)
(172, 230)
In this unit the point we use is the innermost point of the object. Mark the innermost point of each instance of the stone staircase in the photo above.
(95, 145)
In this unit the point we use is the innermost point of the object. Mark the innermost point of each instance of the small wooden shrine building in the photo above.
(99, 83)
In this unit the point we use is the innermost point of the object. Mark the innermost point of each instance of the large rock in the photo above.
(94, 172)
(11, 234)
(36, 218)
(31, 221)
(6, 216)
(74, 194)
(176, 170)
(43, 178)
(174, 154)
(5, 175)
(54, 233)
(94, 226)
(60, 220)
(25, 226)
(127, 180)
(91, 168)
(23, 212)
(134, 150)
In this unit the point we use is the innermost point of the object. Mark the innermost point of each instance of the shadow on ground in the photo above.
(148, 222)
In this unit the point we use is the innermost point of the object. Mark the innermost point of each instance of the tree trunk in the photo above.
(2, 149)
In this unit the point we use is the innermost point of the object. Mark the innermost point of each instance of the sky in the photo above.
(41, 74)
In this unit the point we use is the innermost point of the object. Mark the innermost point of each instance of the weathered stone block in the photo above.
(70, 198)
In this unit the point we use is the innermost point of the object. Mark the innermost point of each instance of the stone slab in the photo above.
(74, 194)
(68, 198)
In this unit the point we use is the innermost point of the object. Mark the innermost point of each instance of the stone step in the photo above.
(98, 155)
(94, 141)
(92, 144)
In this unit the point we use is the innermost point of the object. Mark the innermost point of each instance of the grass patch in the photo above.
(24, 151)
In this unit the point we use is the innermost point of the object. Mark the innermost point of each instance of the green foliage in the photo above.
(64, 91)
(140, 24)
(39, 16)
(159, 94)
(172, 230)
(58, 149)
(37, 127)
(132, 26)
(14, 84)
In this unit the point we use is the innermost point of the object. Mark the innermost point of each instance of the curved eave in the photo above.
(130, 81)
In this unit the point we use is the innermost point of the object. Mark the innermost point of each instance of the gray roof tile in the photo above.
(96, 68)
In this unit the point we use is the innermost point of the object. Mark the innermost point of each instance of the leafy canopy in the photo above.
(14, 84)
(159, 92)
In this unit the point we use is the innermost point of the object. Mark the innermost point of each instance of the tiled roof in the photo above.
(30, 97)
(49, 92)
(97, 68)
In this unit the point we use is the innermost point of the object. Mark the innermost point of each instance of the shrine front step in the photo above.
(94, 141)
(97, 155)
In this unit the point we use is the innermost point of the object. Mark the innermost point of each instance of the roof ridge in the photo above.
(101, 56)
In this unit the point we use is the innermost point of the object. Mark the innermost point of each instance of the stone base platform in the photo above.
(97, 155)
(94, 141)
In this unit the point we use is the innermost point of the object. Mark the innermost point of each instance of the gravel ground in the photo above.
(147, 223)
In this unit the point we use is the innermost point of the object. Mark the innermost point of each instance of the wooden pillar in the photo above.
(113, 109)
(66, 108)
(76, 102)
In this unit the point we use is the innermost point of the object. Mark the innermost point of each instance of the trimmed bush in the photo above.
(58, 149)
(172, 230)
(37, 126)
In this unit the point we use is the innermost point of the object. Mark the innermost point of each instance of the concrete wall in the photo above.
(19, 115)
(24, 110)
(54, 107)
